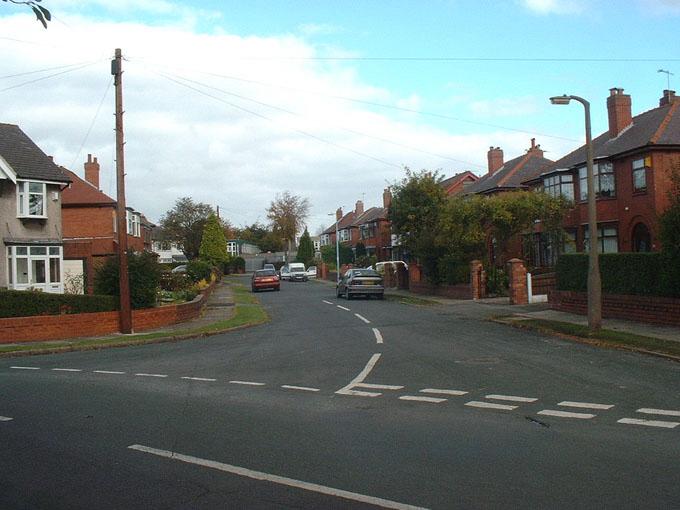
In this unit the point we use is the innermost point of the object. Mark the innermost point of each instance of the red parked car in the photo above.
(265, 279)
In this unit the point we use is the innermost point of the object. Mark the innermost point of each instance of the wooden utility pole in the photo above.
(125, 313)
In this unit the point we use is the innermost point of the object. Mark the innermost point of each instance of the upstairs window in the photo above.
(367, 230)
(559, 185)
(603, 180)
(639, 175)
(31, 199)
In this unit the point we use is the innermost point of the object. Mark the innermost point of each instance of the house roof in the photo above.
(653, 128)
(82, 193)
(457, 178)
(372, 214)
(512, 174)
(346, 221)
(26, 159)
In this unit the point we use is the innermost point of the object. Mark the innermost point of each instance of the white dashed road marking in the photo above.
(362, 318)
(107, 372)
(67, 370)
(649, 423)
(5, 418)
(511, 398)
(423, 399)
(378, 336)
(585, 405)
(565, 414)
(151, 375)
(665, 412)
(434, 391)
(281, 480)
(301, 388)
(247, 383)
(378, 386)
(347, 390)
(343, 308)
(26, 368)
(327, 302)
(205, 379)
(489, 405)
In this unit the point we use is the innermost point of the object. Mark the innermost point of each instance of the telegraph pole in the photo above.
(125, 313)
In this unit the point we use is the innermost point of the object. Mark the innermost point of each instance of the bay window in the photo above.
(603, 180)
(559, 185)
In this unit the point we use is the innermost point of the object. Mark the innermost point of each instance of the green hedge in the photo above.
(638, 274)
(23, 303)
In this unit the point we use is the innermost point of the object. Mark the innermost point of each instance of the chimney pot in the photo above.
(619, 111)
(667, 98)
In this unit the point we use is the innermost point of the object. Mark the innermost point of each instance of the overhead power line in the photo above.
(42, 70)
(94, 119)
(49, 76)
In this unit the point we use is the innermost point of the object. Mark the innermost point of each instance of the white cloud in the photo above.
(554, 6)
(314, 29)
(201, 141)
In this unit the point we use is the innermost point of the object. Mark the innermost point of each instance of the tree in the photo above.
(669, 235)
(41, 14)
(417, 203)
(360, 249)
(213, 244)
(328, 254)
(184, 224)
(287, 214)
(305, 252)
(260, 236)
(144, 274)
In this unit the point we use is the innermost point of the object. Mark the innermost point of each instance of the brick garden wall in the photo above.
(59, 327)
(460, 291)
(655, 310)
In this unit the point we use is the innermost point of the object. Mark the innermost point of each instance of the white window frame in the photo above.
(24, 199)
(598, 177)
(639, 166)
(51, 253)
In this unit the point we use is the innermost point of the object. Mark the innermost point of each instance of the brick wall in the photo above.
(59, 327)
(460, 291)
(542, 283)
(655, 310)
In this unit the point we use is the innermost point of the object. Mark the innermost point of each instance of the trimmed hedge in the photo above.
(24, 303)
(636, 274)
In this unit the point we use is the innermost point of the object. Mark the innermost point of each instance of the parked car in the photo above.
(265, 279)
(363, 282)
(179, 269)
(284, 273)
(269, 266)
(311, 272)
(298, 273)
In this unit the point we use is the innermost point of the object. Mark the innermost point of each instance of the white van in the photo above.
(298, 273)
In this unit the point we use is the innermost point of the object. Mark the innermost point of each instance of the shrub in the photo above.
(174, 281)
(239, 264)
(144, 277)
(198, 270)
(22, 303)
(454, 270)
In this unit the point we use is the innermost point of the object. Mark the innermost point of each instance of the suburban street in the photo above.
(343, 404)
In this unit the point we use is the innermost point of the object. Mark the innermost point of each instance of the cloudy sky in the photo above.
(232, 102)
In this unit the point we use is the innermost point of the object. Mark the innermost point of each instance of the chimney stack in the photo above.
(387, 198)
(359, 208)
(667, 98)
(338, 214)
(495, 158)
(536, 148)
(92, 171)
(619, 109)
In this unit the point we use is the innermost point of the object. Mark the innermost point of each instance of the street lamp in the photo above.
(337, 248)
(594, 280)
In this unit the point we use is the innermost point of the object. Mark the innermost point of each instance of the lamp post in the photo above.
(594, 279)
(337, 248)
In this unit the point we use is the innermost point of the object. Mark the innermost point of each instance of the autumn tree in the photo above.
(184, 224)
(287, 214)
(261, 236)
(213, 244)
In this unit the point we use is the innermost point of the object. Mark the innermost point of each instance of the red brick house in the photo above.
(632, 164)
(370, 227)
(458, 183)
(89, 224)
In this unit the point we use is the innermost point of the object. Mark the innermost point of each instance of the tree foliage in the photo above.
(260, 236)
(669, 221)
(144, 274)
(287, 214)
(305, 253)
(213, 244)
(41, 14)
(184, 224)
(328, 254)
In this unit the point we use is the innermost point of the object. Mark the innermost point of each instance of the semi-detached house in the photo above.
(31, 247)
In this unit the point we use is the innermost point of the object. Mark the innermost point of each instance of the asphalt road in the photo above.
(375, 404)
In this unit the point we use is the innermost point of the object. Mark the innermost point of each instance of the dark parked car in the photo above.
(364, 282)
(265, 279)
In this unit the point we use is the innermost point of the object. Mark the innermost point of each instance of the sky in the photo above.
(231, 103)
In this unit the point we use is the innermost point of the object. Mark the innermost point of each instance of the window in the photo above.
(559, 185)
(31, 199)
(367, 230)
(639, 175)
(345, 234)
(34, 266)
(607, 239)
(325, 239)
(603, 180)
